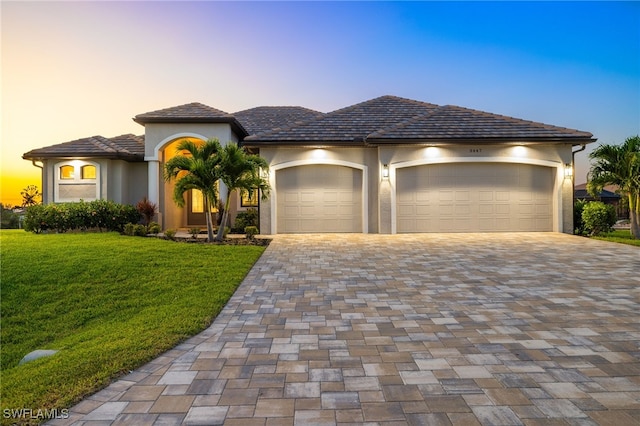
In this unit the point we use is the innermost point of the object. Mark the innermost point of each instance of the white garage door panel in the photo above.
(319, 198)
(474, 197)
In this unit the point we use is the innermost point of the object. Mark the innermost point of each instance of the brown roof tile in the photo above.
(191, 113)
(266, 118)
(452, 123)
(128, 147)
(348, 125)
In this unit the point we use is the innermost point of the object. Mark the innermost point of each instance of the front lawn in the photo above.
(619, 236)
(108, 303)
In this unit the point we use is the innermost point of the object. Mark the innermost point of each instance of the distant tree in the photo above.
(619, 165)
(199, 169)
(9, 219)
(31, 196)
(240, 170)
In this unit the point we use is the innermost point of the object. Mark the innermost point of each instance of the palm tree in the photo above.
(240, 170)
(619, 165)
(30, 196)
(197, 170)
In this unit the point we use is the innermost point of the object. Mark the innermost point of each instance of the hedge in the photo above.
(103, 215)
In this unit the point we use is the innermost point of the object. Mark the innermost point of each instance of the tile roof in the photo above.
(452, 123)
(348, 125)
(266, 118)
(191, 113)
(608, 192)
(583, 194)
(390, 119)
(383, 120)
(128, 147)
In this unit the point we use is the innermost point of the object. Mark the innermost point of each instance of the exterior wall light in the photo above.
(385, 171)
(568, 171)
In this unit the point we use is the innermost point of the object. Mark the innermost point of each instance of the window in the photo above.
(67, 172)
(247, 200)
(197, 202)
(76, 180)
(87, 172)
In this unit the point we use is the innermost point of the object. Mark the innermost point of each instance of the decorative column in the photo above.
(154, 181)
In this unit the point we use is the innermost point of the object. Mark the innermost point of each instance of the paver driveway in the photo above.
(435, 329)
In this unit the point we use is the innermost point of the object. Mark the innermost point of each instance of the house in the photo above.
(608, 195)
(387, 165)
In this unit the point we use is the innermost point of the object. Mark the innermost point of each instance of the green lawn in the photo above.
(619, 236)
(108, 303)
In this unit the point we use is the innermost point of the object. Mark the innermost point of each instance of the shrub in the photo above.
(598, 217)
(154, 228)
(129, 229)
(251, 231)
(139, 230)
(194, 232)
(170, 234)
(578, 224)
(246, 218)
(147, 210)
(100, 214)
(33, 218)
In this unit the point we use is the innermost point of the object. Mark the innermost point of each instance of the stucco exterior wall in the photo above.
(157, 135)
(380, 190)
(127, 181)
(118, 180)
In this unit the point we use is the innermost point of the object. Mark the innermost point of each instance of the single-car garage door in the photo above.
(319, 198)
(474, 197)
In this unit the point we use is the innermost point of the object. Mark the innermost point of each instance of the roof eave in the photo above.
(306, 143)
(232, 121)
(574, 141)
(75, 156)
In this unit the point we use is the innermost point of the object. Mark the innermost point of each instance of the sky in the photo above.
(77, 69)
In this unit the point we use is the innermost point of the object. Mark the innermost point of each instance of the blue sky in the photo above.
(76, 69)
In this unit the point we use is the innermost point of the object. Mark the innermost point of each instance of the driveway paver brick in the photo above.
(434, 329)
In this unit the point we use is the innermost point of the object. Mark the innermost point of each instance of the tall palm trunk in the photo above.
(634, 214)
(225, 217)
(207, 207)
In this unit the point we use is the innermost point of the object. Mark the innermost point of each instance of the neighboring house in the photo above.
(608, 195)
(387, 165)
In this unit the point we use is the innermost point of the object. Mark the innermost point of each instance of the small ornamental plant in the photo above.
(251, 232)
(194, 232)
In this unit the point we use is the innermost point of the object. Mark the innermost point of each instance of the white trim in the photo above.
(556, 198)
(160, 146)
(77, 180)
(365, 185)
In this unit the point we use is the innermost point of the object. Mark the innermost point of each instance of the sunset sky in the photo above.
(77, 69)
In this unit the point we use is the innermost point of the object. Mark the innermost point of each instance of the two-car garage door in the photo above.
(474, 197)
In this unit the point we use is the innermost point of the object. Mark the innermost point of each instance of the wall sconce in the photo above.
(385, 171)
(568, 171)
